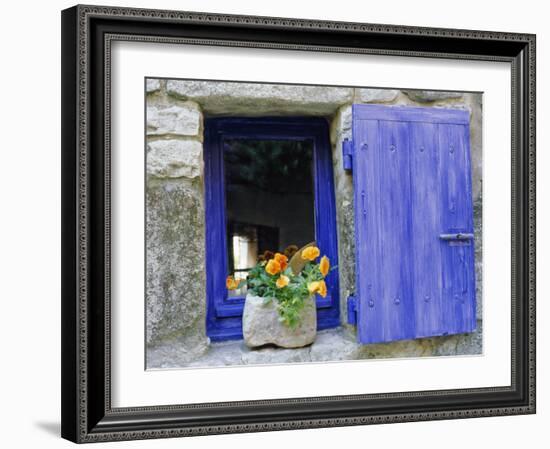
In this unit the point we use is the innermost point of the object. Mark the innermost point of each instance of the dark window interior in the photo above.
(268, 199)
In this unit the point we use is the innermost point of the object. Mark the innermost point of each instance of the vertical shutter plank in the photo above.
(383, 225)
(395, 231)
(458, 278)
(426, 225)
(370, 311)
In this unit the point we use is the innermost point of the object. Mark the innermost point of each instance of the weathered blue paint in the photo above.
(224, 314)
(410, 114)
(415, 276)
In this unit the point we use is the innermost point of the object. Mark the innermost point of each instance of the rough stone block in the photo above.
(336, 344)
(403, 348)
(474, 103)
(225, 353)
(152, 85)
(427, 96)
(340, 127)
(174, 159)
(176, 280)
(260, 99)
(181, 120)
(376, 95)
(478, 242)
(272, 355)
(177, 352)
(261, 324)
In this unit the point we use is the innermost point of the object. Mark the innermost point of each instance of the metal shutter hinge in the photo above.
(352, 310)
(347, 154)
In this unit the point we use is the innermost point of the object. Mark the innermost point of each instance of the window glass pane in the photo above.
(269, 200)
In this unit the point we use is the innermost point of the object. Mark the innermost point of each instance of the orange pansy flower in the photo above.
(322, 289)
(273, 267)
(282, 259)
(324, 266)
(231, 283)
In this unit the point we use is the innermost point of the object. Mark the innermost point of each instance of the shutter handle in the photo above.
(457, 236)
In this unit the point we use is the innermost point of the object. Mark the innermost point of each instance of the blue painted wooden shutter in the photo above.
(413, 222)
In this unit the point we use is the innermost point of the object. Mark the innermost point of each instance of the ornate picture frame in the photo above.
(87, 411)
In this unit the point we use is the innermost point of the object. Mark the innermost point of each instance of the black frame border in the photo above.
(87, 33)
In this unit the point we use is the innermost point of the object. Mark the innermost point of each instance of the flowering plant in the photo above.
(289, 283)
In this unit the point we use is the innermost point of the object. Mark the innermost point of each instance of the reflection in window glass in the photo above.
(269, 200)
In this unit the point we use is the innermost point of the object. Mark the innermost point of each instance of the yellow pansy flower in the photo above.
(311, 253)
(324, 265)
(318, 287)
(282, 281)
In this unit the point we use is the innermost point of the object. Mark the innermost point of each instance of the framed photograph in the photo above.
(276, 224)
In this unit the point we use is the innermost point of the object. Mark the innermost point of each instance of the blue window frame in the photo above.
(224, 313)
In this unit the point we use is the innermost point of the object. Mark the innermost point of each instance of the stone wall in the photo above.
(176, 292)
(175, 258)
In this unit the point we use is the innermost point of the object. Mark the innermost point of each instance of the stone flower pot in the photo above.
(261, 324)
